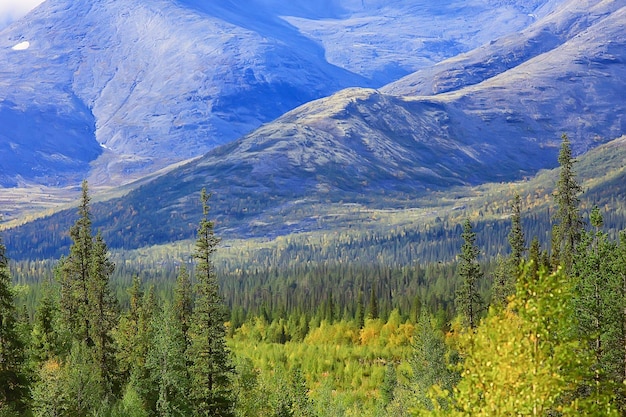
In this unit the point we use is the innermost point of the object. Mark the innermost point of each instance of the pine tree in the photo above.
(74, 272)
(517, 240)
(211, 368)
(373, 306)
(534, 258)
(183, 301)
(390, 382)
(620, 362)
(503, 282)
(45, 340)
(431, 362)
(104, 312)
(506, 271)
(12, 379)
(360, 310)
(468, 300)
(167, 364)
(600, 302)
(88, 308)
(568, 228)
(301, 404)
(130, 354)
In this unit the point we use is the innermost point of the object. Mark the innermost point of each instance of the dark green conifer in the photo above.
(211, 370)
(507, 269)
(503, 282)
(535, 259)
(74, 273)
(183, 301)
(390, 382)
(600, 304)
(373, 306)
(45, 338)
(88, 308)
(103, 311)
(468, 300)
(360, 310)
(167, 365)
(431, 362)
(569, 224)
(13, 383)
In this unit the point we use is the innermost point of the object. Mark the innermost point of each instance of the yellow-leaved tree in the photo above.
(524, 360)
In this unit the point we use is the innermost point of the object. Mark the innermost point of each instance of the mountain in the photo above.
(115, 89)
(558, 22)
(391, 148)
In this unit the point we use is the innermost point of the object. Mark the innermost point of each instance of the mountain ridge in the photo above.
(380, 148)
(143, 85)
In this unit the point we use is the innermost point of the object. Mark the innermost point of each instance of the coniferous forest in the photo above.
(538, 329)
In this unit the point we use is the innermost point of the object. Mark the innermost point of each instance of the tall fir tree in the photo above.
(507, 269)
(88, 308)
(211, 371)
(45, 340)
(468, 300)
(104, 312)
(373, 305)
(183, 301)
(360, 310)
(503, 282)
(13, 383)
(517, 239)
(130, 351)
(599, 303)
(74, 271)
(167, 365)
(621, 268)
(569, 224)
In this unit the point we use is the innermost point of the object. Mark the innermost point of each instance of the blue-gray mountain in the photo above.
(492, 114)
(114, 89)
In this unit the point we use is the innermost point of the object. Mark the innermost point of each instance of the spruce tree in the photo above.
(45, 339)
(130, 354)
(503, 282)
(468, 300)
(568, 228)
(599, 302)
(430, 361)
(88, 308)
(390, 383)
(534, 259)
(517, 240)
(507, 269)
(104, 312)
(360, 310)
(211, 369)
(74, 273)
(183, 301)
(12, 380)
(373, 306)
(167, 365)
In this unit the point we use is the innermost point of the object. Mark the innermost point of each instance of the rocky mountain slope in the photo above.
(391, 147)
(115, 89)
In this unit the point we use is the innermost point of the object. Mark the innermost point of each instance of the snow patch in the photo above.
(22, 46)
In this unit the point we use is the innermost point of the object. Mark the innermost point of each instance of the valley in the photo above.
(332, 208)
